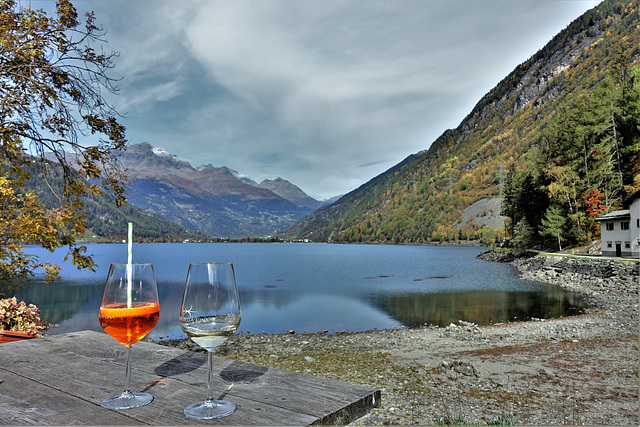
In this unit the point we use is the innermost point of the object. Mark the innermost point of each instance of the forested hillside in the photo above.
(558, 137)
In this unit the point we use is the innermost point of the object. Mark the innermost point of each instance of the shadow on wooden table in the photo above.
(182, 364)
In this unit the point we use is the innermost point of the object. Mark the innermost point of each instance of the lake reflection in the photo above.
(481, 307)
(317, 287)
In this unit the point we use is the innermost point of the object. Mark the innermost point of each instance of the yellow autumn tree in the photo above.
(52, 80)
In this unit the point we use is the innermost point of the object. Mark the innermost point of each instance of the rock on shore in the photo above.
(575, 370)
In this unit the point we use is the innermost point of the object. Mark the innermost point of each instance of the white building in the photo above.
(620, 230)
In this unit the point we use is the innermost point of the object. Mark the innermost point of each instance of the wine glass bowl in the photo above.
(210, 313)
(129, 310)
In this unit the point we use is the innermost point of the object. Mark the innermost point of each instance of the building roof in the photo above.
(631, 198)
(615, 215)
(622, 214)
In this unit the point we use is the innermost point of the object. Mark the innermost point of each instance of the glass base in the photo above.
(126, 400)
(208, 410)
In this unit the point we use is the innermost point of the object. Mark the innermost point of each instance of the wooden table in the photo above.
(62, 379)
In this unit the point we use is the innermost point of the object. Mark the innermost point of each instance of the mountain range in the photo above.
(428, 197)
(217, 201)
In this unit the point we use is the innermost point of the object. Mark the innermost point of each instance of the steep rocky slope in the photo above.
(423, 198)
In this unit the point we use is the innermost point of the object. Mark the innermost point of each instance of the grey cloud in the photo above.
(311, 89)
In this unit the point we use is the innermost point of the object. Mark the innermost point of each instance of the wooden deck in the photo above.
(62, 379)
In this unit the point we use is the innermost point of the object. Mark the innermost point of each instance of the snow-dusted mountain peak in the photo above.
(161, 152)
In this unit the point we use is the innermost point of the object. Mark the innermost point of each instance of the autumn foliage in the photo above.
(52, 79)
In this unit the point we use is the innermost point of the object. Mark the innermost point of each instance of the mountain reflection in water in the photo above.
(480, 307)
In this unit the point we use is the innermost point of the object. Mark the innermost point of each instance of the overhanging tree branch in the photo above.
(52, 87)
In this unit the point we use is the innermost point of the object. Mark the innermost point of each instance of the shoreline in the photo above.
(575, 370)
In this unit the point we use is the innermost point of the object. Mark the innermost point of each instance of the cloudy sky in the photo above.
(324, 93)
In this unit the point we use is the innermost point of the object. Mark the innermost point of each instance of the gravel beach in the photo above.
(580, 370)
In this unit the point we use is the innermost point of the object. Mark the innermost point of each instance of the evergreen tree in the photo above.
(553, 223)
(523, 198)
(523, 237)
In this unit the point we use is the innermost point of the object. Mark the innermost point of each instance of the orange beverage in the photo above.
(128, 325)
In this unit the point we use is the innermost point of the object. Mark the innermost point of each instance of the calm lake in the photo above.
(314, 287)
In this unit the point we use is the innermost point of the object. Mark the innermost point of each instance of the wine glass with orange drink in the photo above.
(128, 312)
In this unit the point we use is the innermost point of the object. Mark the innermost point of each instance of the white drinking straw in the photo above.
(129, 266)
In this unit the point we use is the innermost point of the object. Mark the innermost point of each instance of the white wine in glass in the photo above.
(210, 314)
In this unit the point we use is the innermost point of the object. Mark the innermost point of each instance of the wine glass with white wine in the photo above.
(210, 314)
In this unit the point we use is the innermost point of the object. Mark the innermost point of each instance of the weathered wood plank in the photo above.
(27, 402)
(90, 366)
(72, 368)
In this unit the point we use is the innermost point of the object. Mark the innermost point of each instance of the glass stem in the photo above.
(211, 401)
(127, 384)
